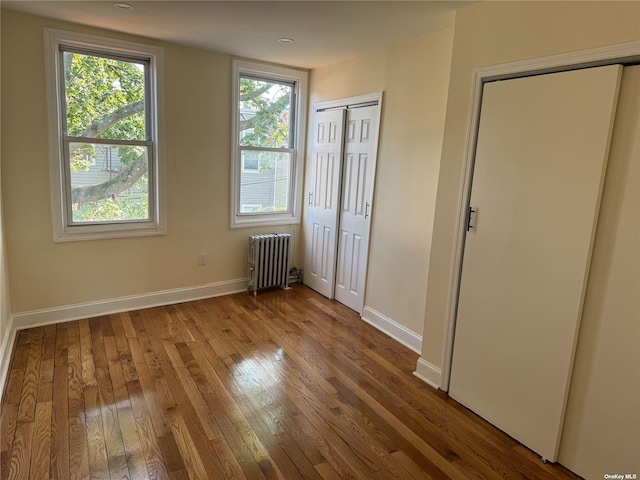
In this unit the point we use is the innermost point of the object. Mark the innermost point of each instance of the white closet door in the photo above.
(602, 428)
(323, 196)
(540, 160)
(357, 198)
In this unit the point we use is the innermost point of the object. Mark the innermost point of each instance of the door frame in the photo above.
(623, 53)
(374, 99)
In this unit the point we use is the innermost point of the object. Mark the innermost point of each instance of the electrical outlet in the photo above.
(202, 259)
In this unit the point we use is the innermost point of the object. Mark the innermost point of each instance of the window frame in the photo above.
(64, 229)
(299, 78)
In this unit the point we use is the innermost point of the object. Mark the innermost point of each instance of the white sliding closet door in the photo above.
(323, 197)
(540, 159)
(602, 427)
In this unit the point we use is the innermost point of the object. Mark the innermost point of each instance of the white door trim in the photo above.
(623, 53)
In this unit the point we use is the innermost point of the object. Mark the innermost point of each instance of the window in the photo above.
(268, 144)
(106, 169)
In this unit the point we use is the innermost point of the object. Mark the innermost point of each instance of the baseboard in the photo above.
(67, 313)
(396, 331)
(6, 349)
(428, 373)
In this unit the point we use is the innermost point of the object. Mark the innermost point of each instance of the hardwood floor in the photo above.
(286, 385)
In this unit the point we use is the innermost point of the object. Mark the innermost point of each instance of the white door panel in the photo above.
(357, 198)
(540, 158)
(323, 201)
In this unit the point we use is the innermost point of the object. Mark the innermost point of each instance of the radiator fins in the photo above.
(268, 261)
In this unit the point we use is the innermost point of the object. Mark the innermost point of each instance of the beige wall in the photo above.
(599, 422)
(414, 76)
(197, 125)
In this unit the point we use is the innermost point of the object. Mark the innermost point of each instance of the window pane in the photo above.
(104, 97)
(265, 189)
(265, 114)
(109, 183)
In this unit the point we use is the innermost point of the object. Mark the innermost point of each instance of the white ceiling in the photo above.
(325, 32)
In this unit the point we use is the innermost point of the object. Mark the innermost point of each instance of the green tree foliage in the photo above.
(123, 208)
(264, 117)
(96, 87)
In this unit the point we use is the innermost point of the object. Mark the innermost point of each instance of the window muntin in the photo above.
(107, 168)
(267, 144)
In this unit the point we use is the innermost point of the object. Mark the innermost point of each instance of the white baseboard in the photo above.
(47, 316)
(428, 373)
(396, 331)
(5, 353)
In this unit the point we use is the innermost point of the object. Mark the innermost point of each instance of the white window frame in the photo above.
(300, 78)
(64, 229)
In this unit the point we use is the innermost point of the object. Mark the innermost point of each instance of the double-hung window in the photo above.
(105, 154)
(268, 144)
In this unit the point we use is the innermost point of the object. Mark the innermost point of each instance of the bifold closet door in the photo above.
(323, 197)
(359, 170)
(540, 160)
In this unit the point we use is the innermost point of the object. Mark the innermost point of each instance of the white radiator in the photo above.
(268, 261)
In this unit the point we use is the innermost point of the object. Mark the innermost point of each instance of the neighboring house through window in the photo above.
(250, 165)
(107, 172)
(268, 144)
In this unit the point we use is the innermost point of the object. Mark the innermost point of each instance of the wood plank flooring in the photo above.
(286, 385)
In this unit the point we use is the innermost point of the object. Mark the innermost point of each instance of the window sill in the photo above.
(102, 232)
(247, 221)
